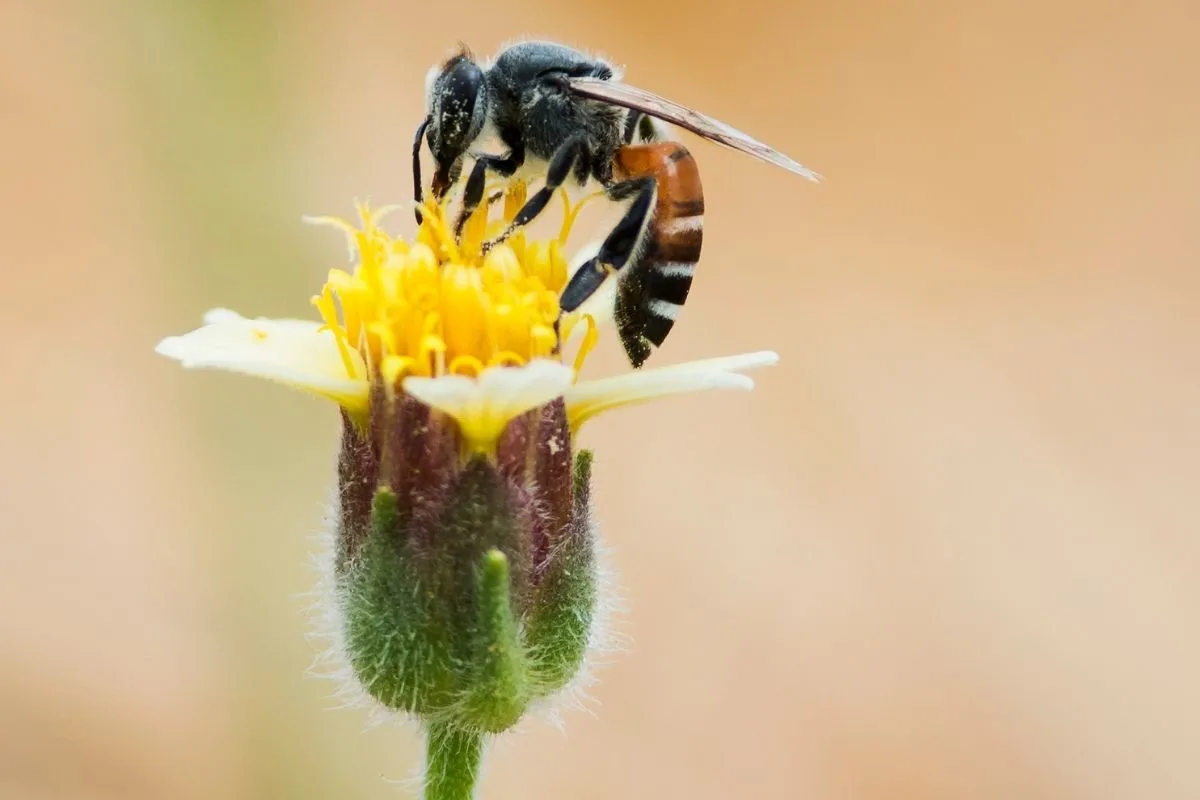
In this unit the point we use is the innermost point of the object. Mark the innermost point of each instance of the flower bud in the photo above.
(466, 580)
(464, 573)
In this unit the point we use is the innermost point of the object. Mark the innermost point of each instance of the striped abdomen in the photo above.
(655, 285)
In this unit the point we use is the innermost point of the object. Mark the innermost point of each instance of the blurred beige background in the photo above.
(948, 549)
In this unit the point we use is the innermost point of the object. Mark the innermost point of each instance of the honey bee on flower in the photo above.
(465, 554)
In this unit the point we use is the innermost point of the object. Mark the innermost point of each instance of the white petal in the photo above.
(483, 406)
(290, 351)
(216, 315)
(588, 398)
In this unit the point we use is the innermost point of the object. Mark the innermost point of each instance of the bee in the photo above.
(562, 115)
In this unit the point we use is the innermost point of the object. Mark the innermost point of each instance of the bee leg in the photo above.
(619, 246)
(472, 194)
(648, 130)
(504, 166)
(418, 189)
(632, 121)
(573, 151)
(640, 128)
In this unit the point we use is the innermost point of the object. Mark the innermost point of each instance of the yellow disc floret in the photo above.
(439, 306)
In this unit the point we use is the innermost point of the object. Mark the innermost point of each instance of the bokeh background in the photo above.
(947, 549)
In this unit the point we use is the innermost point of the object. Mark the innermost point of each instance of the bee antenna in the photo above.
(461, 52)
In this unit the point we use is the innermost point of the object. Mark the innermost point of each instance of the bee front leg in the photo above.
(504, 166)
(572, 152)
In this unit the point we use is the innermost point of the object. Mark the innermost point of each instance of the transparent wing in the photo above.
(627, 96)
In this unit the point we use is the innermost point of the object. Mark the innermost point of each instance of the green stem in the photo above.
(452, 758)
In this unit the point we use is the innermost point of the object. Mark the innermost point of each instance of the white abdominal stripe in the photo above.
(664, 309)
(677, 269)
(694, 222)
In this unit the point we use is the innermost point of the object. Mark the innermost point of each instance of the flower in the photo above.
(464, 561)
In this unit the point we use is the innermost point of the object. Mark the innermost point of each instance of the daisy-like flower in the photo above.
(465, 555)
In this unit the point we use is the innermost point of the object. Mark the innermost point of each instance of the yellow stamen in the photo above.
(570, 215)
(326, 306)
(434, 306)
(466, 365)
(475, 231)
(545, 259)
(508, 358)
(396, 367)
(566, 223)
(587, 345)
(514, 198)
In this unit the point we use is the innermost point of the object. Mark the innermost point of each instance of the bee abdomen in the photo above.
(655, 287)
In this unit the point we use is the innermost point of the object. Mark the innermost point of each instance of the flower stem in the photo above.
(452, 758)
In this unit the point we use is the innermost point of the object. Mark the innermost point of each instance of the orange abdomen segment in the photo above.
(680, 193)
(654, 289)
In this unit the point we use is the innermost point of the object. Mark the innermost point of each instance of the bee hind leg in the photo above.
(619, 247)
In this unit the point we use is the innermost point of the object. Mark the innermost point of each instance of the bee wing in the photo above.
(626, 96)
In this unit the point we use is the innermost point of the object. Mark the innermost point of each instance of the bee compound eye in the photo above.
(458, 108)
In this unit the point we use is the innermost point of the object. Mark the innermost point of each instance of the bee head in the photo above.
(457, 100)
